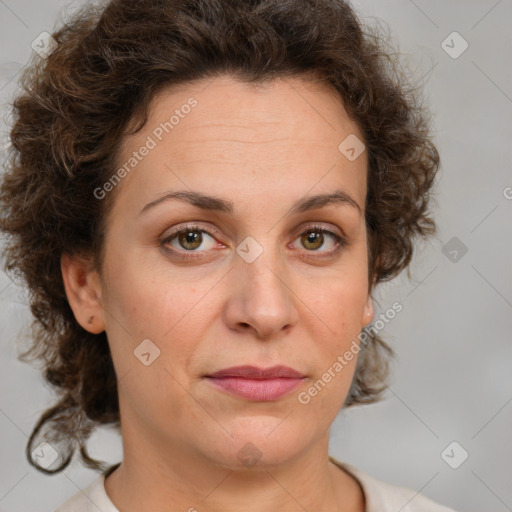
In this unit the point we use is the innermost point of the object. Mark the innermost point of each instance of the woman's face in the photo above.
(247, 279)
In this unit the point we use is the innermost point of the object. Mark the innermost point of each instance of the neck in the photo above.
(188, 480)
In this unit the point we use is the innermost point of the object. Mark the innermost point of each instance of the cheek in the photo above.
(146, 300)
(140, 304)
(339, 303)
(339, 307)
(151, 373)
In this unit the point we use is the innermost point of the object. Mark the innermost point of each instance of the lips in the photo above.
(257, 384)
(253, 372)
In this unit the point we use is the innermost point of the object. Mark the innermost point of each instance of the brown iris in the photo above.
(194, 238)
(316, 238)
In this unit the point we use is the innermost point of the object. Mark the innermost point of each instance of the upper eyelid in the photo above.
(304, 226)
(210, 231)
(190, 226)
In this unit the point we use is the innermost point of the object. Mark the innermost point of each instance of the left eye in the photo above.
(314, 238)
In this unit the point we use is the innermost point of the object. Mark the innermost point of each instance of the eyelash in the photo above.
(191, 255)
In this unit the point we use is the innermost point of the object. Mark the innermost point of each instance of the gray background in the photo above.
(452, 379)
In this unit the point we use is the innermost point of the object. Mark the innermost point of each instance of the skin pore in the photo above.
(300, 303)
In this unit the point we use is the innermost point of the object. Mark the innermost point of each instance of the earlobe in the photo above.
(368, 311)
(83, 291)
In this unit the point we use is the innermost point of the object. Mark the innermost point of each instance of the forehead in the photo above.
(296, 106)
(224, 133)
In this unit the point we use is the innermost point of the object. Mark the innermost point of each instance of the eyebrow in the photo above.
(212, 203)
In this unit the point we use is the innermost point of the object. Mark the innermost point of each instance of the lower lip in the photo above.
(261, 390)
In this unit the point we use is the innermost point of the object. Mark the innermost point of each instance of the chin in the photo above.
(260, 442)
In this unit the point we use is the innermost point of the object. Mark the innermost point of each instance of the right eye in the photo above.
(189, 239)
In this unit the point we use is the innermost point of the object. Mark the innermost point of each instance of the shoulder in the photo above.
(91, 499)
(382, 497)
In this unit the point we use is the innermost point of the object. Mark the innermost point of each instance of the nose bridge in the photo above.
(262, 270)
(261, 293)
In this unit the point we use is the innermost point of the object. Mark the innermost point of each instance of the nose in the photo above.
(261, 298)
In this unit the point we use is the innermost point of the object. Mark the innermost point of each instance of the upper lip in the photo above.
(253, 372)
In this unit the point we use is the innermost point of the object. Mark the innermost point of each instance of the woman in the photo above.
(202, 197)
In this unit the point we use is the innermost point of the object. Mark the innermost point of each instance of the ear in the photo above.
(368, 311)
(83, 290)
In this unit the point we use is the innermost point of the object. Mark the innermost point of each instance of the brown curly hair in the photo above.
(78, 103)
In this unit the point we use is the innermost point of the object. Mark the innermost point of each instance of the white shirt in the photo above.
(380, 496)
